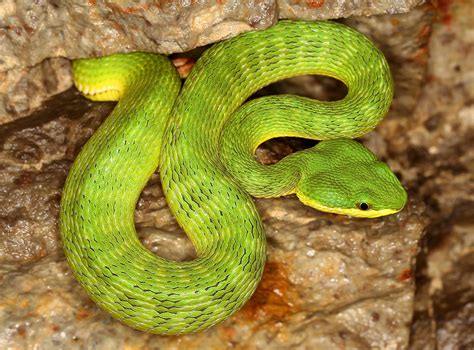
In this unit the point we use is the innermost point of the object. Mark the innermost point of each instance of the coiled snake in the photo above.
(203, 144)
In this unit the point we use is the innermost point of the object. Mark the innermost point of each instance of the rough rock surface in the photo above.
(32, 31)
(330, 282)
(438, 150)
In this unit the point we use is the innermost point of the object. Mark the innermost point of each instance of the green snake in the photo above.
(203, 143)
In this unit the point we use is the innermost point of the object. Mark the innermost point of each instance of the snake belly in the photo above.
(155, 125)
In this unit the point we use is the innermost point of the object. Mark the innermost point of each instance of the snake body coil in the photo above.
(198, 140)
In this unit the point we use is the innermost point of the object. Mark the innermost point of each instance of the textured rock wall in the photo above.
(439, 153)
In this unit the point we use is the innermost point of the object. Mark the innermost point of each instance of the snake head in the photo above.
(344, 177)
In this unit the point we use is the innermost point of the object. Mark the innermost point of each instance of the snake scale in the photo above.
(203, 143)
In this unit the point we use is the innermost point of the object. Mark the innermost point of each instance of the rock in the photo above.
(22, 90)
(327, 9)
(438, 149)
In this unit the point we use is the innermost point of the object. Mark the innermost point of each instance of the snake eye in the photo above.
(363, 206)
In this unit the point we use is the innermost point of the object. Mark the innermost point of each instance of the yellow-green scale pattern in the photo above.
(155, 125)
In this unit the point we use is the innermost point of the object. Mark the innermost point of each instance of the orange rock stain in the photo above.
(275, 299)
(315, 4)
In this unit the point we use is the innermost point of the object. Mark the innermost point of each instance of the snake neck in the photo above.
(266, 181)
(258, 121)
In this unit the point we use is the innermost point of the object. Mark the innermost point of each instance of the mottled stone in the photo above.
(435, 151)
(327, 9)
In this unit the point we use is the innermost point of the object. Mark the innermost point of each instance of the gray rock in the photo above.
(22, 90)
(438, 150)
